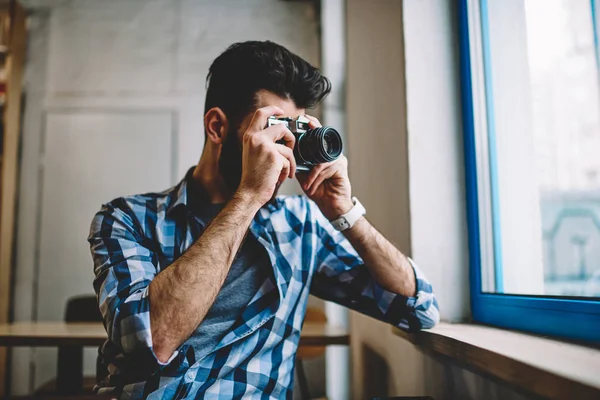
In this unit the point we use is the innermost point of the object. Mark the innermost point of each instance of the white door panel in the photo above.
(90, 158)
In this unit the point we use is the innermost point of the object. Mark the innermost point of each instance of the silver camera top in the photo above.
(295, 125)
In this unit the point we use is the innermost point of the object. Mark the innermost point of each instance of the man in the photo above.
(203, 287)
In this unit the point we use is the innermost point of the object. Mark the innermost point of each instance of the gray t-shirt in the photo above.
(248, 272)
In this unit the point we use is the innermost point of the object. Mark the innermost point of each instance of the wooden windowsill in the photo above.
(537, 365)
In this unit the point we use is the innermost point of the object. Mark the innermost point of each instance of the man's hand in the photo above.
(328, 184)
(329, 187)
(266, 163)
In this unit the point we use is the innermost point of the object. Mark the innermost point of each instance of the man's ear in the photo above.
(216, 125)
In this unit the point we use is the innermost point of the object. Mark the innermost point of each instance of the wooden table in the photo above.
(78, 335)
(56, 334)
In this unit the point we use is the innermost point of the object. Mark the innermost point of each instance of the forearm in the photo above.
(181, 295)
(389, 267)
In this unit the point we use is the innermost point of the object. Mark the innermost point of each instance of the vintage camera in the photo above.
(313, 146)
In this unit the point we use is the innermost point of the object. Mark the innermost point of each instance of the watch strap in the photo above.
(347, 221)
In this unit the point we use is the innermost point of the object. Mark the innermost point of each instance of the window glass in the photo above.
(542, 138)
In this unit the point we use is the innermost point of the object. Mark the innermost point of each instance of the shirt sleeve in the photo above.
(124, 266)
(342, 277)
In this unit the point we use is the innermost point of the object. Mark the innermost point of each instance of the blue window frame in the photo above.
(574, 318)
(593, 7)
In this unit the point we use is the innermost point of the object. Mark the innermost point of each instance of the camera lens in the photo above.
(320, 145)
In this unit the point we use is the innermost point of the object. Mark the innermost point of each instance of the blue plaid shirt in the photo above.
(133, 238)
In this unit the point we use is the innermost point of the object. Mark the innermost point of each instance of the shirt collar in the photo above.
(179, 194)
(183, 196)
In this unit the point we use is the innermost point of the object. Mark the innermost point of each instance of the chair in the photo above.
(308, 352)
(70, 379)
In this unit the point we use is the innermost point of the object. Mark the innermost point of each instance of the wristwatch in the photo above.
(348, 220)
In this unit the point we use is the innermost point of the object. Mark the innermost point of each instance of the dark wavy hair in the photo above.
(235, 77)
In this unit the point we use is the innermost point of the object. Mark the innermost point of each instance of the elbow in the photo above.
(429, 316)
(162, 352)
(161, 343)
(154, 348)
(139, 338)
(430, 319)
(426, 313)
(420, 318)
(130, 329)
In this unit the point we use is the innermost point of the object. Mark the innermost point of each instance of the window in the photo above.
(530, 75)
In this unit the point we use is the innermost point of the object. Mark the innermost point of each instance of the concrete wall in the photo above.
(378, 162)
(404, 128)
(127, 56)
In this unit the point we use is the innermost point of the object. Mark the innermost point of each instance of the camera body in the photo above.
(313, 146)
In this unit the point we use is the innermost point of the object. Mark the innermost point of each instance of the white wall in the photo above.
(333, 50)
(435, 152)
(127, 56)
(378, 168)
(405, 130)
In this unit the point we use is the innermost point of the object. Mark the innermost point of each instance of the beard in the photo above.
(230, 161)
(230, 164)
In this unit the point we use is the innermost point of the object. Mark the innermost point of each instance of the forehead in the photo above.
(264, 98)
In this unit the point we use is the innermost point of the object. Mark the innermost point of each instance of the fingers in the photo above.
(313, 122)
(280, 132)
(285, 170)
(289, 156)
(319, 173)
(313, 174)
(325, 174)
(259, 120)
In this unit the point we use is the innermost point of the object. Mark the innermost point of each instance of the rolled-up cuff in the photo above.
(409, 313)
